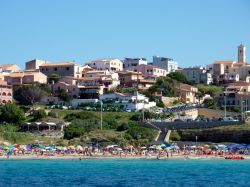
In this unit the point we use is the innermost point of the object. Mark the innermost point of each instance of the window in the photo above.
(67, 68)
(55, 69)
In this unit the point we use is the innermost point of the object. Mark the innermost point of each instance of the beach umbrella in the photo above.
(1, 147)
(28, 147)
(221, 146)
(241, 146)
(232, 146)
(71, 147)
(214, 148)
(158, 147)
(11, 147)
(163, 146)
(130, 146)
(5, 147)
(79, 148)
(248, 146)
(41, 147)
(206, 146)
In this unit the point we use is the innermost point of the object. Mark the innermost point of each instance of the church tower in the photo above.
(241, 54)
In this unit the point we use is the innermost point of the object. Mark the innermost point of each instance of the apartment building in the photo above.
(149, 70)
(62, 69)
(135, 80)
(129, 62)
(166, 63)
(106, 64)
(6, 93)
(197, 75)
(236, 95)
(85, 87)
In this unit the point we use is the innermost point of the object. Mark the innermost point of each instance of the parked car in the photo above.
(127, 110)
(229, 119)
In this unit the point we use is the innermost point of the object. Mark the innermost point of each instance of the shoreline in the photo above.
(79, 157)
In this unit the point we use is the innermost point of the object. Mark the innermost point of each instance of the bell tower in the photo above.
(241, 54)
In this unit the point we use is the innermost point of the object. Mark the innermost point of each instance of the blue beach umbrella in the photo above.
(248, 146)
(233, 146)
(241, 146)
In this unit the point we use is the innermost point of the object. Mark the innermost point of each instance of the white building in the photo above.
(166, 63)
(130, 62)
(106, 64)
(133, 102)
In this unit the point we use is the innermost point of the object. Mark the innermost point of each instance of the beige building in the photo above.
(232, 71)
(25, 77)
(62, 69)
(6, 93)
(106, 64)
(9, 68)
(188, 93)
(85, 87)
(34, 64)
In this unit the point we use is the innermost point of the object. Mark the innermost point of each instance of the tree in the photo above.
(66, 97)
(168, 86)
(179, 77)
(211, 103)
(209, 89)
(29, 95)
(39, 114)
(11, 113)
(53, 78)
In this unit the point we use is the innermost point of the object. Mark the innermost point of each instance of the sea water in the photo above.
(125, 172)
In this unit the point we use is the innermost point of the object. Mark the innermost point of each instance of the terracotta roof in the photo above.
(58, 64)
(224, 62)
(21, 73)
(239, 83)
(7, 66)
(148, 65)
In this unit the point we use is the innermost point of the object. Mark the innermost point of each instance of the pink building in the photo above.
(149, 70)
(6, 93)
(25, 77)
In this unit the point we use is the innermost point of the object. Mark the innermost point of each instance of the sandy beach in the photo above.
(100, 156)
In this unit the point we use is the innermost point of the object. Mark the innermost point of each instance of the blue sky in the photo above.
(193, 32)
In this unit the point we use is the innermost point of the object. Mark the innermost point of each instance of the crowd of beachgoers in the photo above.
(232, 151)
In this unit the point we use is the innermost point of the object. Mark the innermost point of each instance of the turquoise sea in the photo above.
(124, 172)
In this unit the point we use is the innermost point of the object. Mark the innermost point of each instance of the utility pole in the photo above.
(143, 114)
(225, 104)
(242, 109)
(101, 112)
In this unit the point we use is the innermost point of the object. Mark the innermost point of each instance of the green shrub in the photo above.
(39, 114)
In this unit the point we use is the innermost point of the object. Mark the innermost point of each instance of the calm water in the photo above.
(124, 172)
